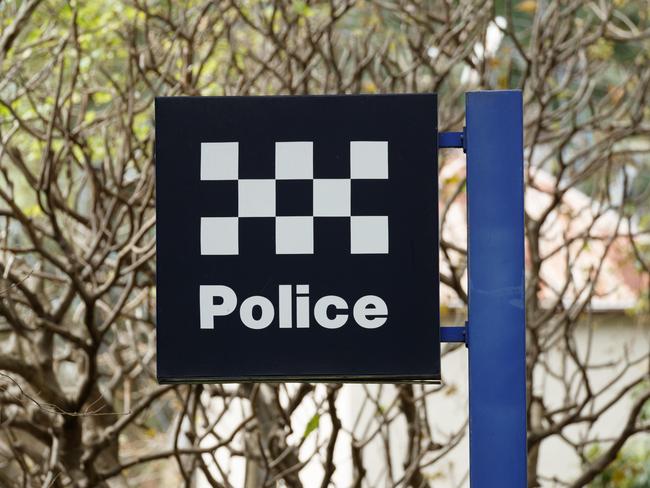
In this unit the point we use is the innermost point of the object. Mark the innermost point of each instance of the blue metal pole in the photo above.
(496, 332)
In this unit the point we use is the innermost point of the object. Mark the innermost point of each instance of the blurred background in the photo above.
(79, 402)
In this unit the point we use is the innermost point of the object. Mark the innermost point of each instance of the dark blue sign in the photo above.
(297, 238)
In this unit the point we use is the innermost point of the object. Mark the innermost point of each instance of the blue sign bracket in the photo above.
(451, 139)
(493, 142)
(454, 333)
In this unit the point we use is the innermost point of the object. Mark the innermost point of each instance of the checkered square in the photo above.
(294, 198)
(294, 235)
(369, 235)
(219, 160)
(369, 160)
(294, 227)
(332, 198)
(219, 236)
(256, 198)
(294, 160)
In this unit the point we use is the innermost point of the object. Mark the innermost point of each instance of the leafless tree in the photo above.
(79, 403)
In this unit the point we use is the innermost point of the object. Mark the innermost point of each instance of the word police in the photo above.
(258, 312)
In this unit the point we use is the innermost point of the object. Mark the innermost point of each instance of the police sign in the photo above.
(297, 238)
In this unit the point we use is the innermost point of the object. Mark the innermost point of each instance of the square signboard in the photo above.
(297, 238)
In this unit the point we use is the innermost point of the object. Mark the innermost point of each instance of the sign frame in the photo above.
(252, 135)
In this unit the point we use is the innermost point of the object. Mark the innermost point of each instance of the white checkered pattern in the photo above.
(294, 161)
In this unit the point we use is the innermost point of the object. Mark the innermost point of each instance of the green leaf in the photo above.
(312, 425)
